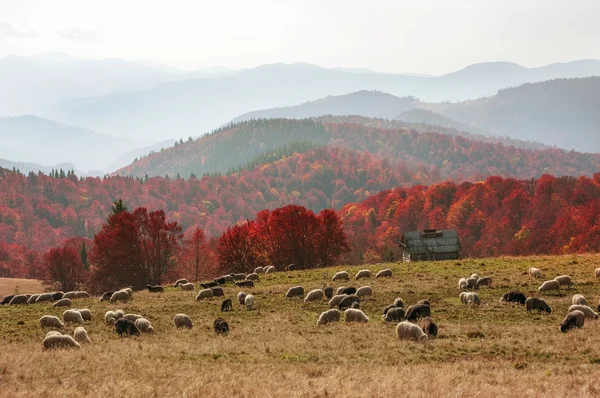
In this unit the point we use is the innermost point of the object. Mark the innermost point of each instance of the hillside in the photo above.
(25, 168)
(424, 116)
(560, 112)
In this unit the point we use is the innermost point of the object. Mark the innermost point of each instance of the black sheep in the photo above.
(246, 283)
(348, 300)
(291, 267)
(429, 326)
(329, 292)
(348, 290)
(6, 299)
(226, 305)
(106, 295)
(126, 326)
(221, 327)
(208, 285)
(417, 311)
(57, 296)
(217, 291)
(220, 281)
(514, 296)
(155, 289)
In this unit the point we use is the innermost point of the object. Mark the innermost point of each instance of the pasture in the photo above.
(278, 350)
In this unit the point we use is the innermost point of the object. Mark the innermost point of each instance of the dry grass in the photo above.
(20, 286)
(278, 351)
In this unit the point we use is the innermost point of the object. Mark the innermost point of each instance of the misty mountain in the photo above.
(35, 140)
(25, 167)
(137, 153)
(192, 107)
(561, 112)
(419, 115)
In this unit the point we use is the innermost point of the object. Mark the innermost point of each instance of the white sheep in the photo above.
(335, 300)
(270, 269)
(295, 291)
(249, 302)
(31, 300)
(259, 270)
(340, 290)
(144, 325)
(564, 280)
(132, 317)
(314, 295)
(462, 284)
(409, 331)
(364, 291)
(85, 314)
(64, 302)
(60, 341)
(339, 276)
(395, 314)
(535, 272)
(110, 317)
(549, 285)
(46, 297)
(355, 315)
(80, 335)
(187, 286)
(241, 296)
(53, 333)
(475, 276)
(363, 273)
(252, 277)
(72, 316)
(332, 315)
(578, 299)
(597, 272)
(81, 294)
(182, 321)
(384, 273)
(50, 321)
(70, 295)
(470, 298)
(587, 311)
(204, 294)
(119, 314)
(120, 295)
(129, 291)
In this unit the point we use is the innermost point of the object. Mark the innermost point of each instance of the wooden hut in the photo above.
(430, 245)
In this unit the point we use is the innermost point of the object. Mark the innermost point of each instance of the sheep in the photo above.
(474, 276)
(462, 284)
(57, 295)
(564, 280)
(270, 269)
(429, 327)
(127, 327)
(534, 272)
(387, 308)
(120, 295)
(217, 291)
(144, 325)
(238, 277)
(119, 314)
(110, 318)
(364, 291)
(43, 298)
(249, 302)
(81, 336)
(129, 291)
(355, 304)
(339, 289)
(384, 273)
(470, 298)
(50, 321)
(423, 302)
(341, 276)
(106, 296)
(354, 315)
(182, 321)
(252, 277)
(514, 296)
(409, 331)
(597, 272)
(332, 315)
(72, 316)
(472, 283)
(587, 311)
(155, 289)
(85, 314)
(180, 282)
(363, 273)
(399, 302)
(60, 341)
(348, 290)
(259, 270)
(549, 285)
(208, 285)
(18, 299)
(31, 300)
(6, 299)
(222, 280)
(204, 294)
(572, 320)
(291, 267)
(534, 303)
(336, 300)
(328, 292)
(578, 299)
(485, 281)
(314, 295)
(65, 302)
(81, 294)
(417, 311)
(241, 297)
(347, 301)
(221, 327)
(53, 333)
(186, 286)
(132, 317)
(70, 295)
(226, 305)
(395, 314)
(245, 283)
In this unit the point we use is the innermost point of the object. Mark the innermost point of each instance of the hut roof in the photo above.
(431, 241)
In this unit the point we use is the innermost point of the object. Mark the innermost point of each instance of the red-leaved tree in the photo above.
(64, 268)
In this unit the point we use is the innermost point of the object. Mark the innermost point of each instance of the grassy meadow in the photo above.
(278, 350)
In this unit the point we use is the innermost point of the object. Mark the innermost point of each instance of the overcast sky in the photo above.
(425, 36)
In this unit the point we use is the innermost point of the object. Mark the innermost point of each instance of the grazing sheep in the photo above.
(332, 315)
(474, 276)
(564, 280)
(549, 285)
(187, 286)
(472, 283)
(252, 277)
(85, 314)
(50, 321)
(65, 302)
(126, 326)
(208, 285)
(81, 336)
(81, 294)
(384, 273)
(241, 297)
(534, 303)
(221, 281)
(270, 269)
(423, 302)
(470, 298)
(119, 314)
(355, 304)
(110, 317)
(354, 315)
(70, 295)
(238, 277)
(182, 321)
(339, 289)
(19, 299)
(53, 333)
(72, 316)
(31, 300)
(514, 296)
(341, 276)
(132, 317)
(417, 311)
(328, 292)
(348, 290)
(226, 305)
(587, 311)
(387, 308)
(462, 284)
(535, 272)
(249, 302)
(578, 299)
(129, 291)
(221, 327)
(155, 289)
(399, 302)
(246, 283)
(180, 282)
(347, 301)
(259, 270)
(485, 281)
(364, 291)
(144, 325)
(395, 314)
(429, 327)
(46, 297)
(204, 294)
(6, 299)
(336, 300)
(217, 291)
(409, 331)
(314, 295)
(106, 296)
(363, 273)
(291, 267)
(597, 272)
(573, 319)
(120, 295)
(57, 295)
(60, 341)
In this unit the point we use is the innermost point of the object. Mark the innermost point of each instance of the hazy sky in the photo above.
(426, 36)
